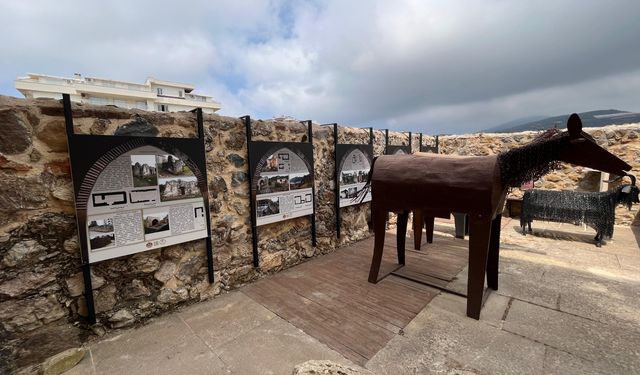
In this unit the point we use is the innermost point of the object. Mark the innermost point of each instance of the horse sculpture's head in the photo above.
(535, 159)
(581, 149)
(629, 194)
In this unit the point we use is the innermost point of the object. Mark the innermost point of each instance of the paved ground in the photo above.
(564, 307)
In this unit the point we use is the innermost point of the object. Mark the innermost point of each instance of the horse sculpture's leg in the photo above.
(417, 229)
(599, 239)
(530, 230)
(479, 235)
(379, 218)
(401, 230)
(493, 261)
(428, 226)
(462, 224)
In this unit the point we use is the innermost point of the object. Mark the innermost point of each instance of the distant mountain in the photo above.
(592, 119)
(514, 123)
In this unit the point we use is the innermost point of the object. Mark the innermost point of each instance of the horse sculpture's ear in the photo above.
(574, 125)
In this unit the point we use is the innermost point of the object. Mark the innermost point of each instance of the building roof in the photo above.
(153, 81)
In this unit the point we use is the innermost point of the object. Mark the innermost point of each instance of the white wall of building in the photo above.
(154, 95)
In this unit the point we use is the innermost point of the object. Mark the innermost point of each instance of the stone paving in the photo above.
(563, 307)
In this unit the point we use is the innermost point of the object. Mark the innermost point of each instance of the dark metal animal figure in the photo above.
(596, 210)
(476, 186)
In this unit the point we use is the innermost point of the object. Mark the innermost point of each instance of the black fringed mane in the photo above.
(533, 160)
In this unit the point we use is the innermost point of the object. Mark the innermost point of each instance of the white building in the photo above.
(153, 95)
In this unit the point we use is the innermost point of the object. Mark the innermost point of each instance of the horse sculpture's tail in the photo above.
(367, 187)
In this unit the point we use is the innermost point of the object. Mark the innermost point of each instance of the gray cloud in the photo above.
(413, 65)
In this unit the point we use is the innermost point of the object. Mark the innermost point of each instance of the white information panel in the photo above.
(283, 190)
(144, 199)
(353, 176)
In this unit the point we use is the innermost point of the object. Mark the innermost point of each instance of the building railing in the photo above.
(86, 81)
(117, 85)
(197, 98)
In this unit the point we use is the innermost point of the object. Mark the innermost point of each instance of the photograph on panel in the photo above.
(171, 166)
(143, 170)
(300, 181)
(268, 206)
(179, 188)
(155, 222)
(270, 165)
(278, 183)
(101, 233)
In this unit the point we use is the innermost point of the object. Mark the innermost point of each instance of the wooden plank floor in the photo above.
(436, 263)
(330, 299)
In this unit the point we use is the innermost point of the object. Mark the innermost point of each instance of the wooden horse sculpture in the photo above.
(476, 186)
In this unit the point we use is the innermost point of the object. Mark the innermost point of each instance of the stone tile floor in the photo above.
(563, 307)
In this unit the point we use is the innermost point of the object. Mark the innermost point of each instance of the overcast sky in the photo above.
(430, 66)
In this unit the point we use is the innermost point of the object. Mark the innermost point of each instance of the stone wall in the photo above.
(42, 306)
(41, 286)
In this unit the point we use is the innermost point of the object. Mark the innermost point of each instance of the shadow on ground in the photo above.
(560, 235)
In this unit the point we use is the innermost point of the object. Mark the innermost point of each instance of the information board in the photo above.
(144, 199)
(282, 181)
(426, 148)
(136, 193)
(396, 149)
(354, 164)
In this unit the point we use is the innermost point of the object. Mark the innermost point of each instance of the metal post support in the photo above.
(88, 293)
(336, 179)
(254, 226)
(386, 140)
(313, 186)
(209, 243)
(86, 266)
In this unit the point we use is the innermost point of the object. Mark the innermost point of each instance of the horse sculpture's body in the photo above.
(476, 186)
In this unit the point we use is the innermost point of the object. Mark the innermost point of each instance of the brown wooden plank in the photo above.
(305, 314)
(396, 298)
(338, 300)
(420, 277)
(306, 324)
(344, 311)
(396, 309)
(430, 267)
(394, 303)
(411, 284)
(330, 298)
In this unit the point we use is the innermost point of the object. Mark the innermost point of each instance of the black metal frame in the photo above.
(90, 154)
(340, 150)
(392, 149)
(255, 150)
(435, 149)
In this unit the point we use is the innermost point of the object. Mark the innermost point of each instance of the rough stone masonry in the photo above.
(42, 304)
